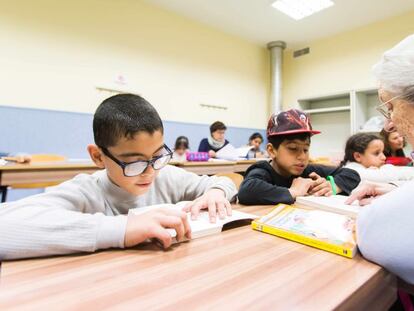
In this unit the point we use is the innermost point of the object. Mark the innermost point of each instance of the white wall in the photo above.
(342, 62)
(337, 65)
(54, 53)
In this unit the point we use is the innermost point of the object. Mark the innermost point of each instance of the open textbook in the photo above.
(202, 226)
(334, 203)
(329, 231)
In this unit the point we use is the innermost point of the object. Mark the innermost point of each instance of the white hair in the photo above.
(395, 70)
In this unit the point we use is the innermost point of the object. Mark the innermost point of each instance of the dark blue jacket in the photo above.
(262, 185)
(206, 147)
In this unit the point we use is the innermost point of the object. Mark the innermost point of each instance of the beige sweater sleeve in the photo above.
(61, 221)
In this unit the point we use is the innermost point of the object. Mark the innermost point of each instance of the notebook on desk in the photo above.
(202, 226)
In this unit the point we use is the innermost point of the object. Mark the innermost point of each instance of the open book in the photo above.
(334, 203)
(331, 232)
(228, 152)
(202, 226)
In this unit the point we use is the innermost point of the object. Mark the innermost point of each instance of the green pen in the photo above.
(332, 182)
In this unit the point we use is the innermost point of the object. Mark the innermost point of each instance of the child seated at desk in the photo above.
(216, 141)
(364, 153)
(181, 147)
(91, 212)
(289, 174)
(255, 140)
(393, 148)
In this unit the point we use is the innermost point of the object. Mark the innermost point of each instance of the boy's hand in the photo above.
(214, 200)
(321, 187)
(300, 186)
(366, 192)
(154, 224)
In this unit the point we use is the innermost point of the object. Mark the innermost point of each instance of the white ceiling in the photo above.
(257, 21)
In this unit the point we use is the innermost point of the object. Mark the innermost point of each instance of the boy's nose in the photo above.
(302, 155)
(148, 171)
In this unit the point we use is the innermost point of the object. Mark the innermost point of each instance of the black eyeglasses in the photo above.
(384, 108)
(136, 168)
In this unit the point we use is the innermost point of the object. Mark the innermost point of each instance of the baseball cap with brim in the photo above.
(288, 122)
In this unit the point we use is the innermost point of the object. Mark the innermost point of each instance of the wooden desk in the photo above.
(207, 168)
(242, 166)
(212, 168)
(240, 269)
(43, 172)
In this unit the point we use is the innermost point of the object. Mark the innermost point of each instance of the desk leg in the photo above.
(3, 190)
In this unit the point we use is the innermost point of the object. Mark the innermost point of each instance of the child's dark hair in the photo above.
(217, 126)
(277, 140)
(357, 143)
(181, 143)
(254, 136)
(124, 115)
(387, 148)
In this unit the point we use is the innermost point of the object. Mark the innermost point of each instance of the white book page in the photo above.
(202, 225)
(243, 151)
(228, 152)
(334, 203)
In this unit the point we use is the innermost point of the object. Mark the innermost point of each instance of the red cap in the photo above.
(292, 121)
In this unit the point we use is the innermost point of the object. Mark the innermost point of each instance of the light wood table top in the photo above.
(243, 165)
(208, 168)
(239, 269)
(215, 167)
(47, 165)
(43, 172)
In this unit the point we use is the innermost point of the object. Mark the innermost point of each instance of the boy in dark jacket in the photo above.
(289, 174)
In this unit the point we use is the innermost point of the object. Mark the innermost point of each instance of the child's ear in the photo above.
(96, 155)
(272, 151)
(357, 157)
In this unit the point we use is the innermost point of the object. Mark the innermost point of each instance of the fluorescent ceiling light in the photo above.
(299, 9)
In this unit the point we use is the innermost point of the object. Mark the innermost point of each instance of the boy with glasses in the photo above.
(91, 212)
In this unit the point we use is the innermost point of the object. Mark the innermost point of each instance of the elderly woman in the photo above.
(386, 226)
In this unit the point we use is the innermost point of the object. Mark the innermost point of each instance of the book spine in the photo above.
(337, 249)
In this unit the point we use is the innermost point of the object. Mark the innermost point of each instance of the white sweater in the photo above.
(386, 173)
(385, 231)
(89, 212)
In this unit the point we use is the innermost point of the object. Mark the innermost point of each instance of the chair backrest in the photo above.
(47, 158)
(236, 178)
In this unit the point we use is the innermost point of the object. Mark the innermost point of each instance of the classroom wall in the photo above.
(342, 62)
(55, 53)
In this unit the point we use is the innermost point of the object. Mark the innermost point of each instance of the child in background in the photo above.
(216, 141)
(289, 174)
(181, 147)
(255, 140)
(91, 212)
(364, 153)
(393, 148)
(393, 144)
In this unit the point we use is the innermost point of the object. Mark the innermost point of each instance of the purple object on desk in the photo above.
(197, 156)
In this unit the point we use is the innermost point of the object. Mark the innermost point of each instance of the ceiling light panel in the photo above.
(298, 9)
